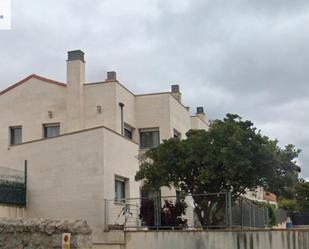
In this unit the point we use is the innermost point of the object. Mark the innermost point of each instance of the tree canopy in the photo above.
(302, 196)
(232, 155)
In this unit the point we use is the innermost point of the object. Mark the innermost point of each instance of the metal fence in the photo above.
(13, 188)
(281, 216)
(247, 214)
(12, 175)
(215, 210)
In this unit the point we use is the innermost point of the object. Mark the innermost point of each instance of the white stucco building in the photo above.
(82, 140)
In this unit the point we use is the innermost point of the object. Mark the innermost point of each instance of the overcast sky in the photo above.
(240, 56)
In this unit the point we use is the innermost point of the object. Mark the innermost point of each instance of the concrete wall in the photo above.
(281, 239)
(47, 234)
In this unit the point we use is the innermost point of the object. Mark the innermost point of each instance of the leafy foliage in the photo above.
(288, 204)
(286, 172)
(171, 214)
(231, 156)
(302, 196)
(271, 212)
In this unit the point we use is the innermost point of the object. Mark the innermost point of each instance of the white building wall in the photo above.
(179, 117)
(28, 105)
(66, 174)
(198, 124)
(153, 110)
(100, 94)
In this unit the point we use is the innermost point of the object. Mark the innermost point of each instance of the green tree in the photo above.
(302, 196)
(231, 156)
(288, 204)
(286, 172)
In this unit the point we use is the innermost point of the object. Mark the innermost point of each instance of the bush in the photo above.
(288, 205)
(171, 214)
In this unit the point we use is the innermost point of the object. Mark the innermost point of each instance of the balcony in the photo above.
(13, 186)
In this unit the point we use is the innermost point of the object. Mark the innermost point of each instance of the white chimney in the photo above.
(75, 91)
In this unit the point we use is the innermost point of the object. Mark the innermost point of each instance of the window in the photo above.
(15, 135)
(149, 139)
(177, 134)
(120, 190)
(51, 130)
(128, 131)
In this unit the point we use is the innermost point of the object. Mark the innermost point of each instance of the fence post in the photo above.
(226, 210)
(230, 209)
(241, 212)
(158, 211)
(25, 180)
(105, 215)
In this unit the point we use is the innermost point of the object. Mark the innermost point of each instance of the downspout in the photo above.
(121, 117)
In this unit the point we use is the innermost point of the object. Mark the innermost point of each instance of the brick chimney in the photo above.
(200, 112)
(75, 91)
(176, 92)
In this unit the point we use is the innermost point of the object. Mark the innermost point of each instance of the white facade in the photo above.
(99, 125)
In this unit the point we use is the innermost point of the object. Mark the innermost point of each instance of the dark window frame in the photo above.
(147, 145)
(122, 197)
(48, 125)
(12, 129)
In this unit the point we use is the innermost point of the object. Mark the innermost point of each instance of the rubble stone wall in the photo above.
(43, 234)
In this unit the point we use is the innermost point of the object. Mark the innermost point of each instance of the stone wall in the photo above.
(43, 234)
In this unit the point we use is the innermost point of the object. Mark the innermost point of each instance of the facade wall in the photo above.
(129, 110)
(197, 123)
(120, 161)
(153, 111)
(179, 117)
(100, 94)
(24, 106)
(66, 174)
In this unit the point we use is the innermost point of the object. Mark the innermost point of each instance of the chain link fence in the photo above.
(205, 211)
(247, 214)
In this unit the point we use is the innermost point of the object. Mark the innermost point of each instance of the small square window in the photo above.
(51, 130)
(149, 139)
(128, 132)
(15, 135)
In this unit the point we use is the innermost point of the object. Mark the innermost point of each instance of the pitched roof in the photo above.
(57, 83)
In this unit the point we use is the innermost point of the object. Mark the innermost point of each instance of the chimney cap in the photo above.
(111, 75)
(175, 88)
(200, 110)
(76, 55)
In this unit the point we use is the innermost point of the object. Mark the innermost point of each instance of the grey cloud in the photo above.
(245, 57)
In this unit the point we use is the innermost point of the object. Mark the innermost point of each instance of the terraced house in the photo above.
(82, 140)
